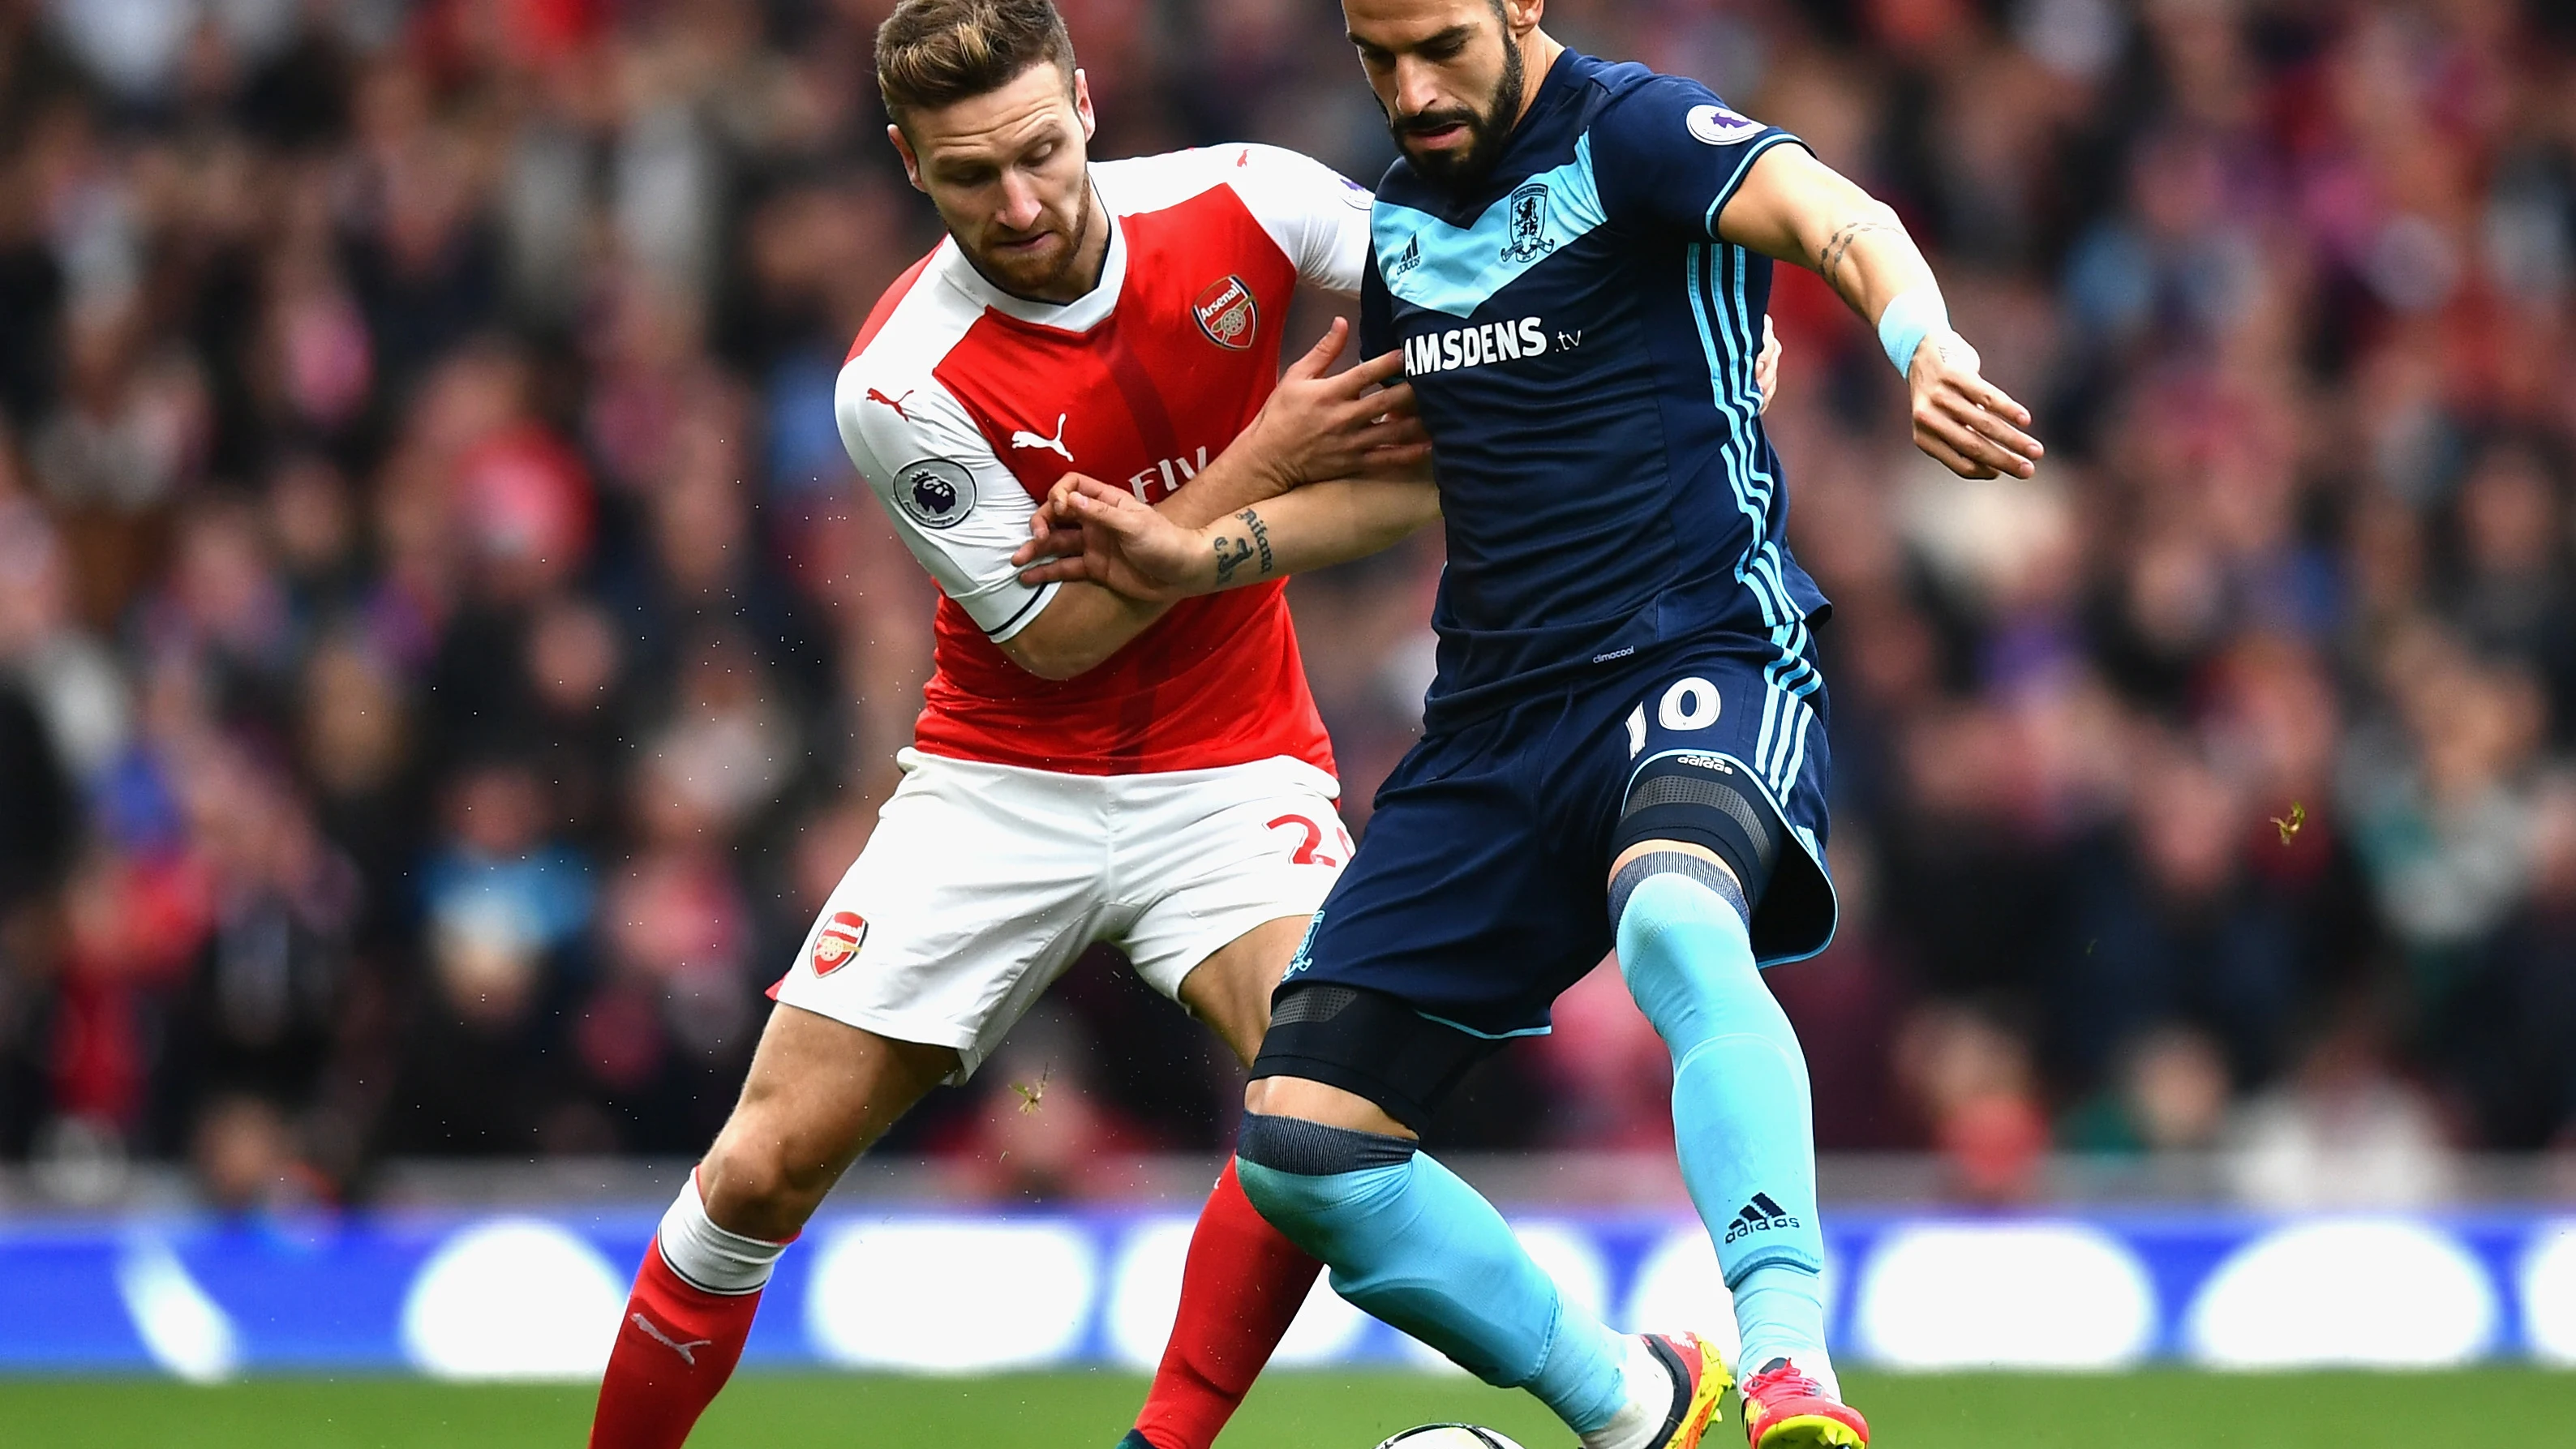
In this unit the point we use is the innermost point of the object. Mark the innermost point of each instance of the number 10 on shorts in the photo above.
(1689, 703)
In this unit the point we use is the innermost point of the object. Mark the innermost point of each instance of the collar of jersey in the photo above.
(1455, 267)
(1434, 264)
(1080, 315)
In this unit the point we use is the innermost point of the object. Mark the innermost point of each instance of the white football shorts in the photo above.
(982, 883)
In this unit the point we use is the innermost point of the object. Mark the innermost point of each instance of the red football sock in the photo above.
(676, 1348)
(1240, 1289)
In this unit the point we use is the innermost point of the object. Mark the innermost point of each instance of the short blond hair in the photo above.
(932, 53)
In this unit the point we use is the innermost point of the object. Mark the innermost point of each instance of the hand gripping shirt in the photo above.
(962, 405)
(1582, 345)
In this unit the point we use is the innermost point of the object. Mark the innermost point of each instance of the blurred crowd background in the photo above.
(444, 660)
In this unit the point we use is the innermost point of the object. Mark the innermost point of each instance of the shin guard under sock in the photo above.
(1742, 1118)
(1412, 1244)
(685, 1326)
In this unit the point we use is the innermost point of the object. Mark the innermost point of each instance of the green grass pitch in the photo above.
(2165, 1410)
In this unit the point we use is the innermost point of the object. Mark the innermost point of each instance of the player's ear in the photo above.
(1082, 103)
(1523, 16)
(903, 148)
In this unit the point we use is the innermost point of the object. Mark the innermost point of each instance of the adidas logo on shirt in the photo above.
(1761, 1215)
(1405, 260)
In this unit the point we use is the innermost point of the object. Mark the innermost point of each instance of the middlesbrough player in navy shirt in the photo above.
(1625, 742)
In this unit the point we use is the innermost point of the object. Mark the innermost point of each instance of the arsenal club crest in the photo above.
(840, 941)
(1227, 313)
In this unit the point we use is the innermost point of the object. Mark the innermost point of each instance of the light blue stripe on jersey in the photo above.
(1792, 676)
(1455, 269)
(1751, 499)
(1755, 509)
(1780, 748)
(1735, 179)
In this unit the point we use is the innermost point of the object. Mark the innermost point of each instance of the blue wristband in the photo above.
(1907, 321)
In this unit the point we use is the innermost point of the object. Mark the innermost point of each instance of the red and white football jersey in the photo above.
(962, 405)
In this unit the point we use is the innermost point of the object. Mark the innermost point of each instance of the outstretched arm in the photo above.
(1794, 207)
(1140, 554)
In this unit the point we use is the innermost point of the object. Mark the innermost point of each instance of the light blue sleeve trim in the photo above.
(1484, 1035)
(1743, 168)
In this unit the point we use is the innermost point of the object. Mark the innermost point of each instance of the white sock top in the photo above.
(1649, 1402)
(708, 1256)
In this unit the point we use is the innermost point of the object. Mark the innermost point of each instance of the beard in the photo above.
(1488, 130)
(1036, 276)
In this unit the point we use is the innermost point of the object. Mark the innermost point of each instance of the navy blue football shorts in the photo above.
(1482, 889)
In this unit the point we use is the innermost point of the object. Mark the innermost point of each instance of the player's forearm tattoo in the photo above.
(1839, 244)
(1244, 549)
(1260, 535)
(1227, 563)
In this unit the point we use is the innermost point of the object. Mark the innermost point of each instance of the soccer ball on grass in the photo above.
(1448, 1436)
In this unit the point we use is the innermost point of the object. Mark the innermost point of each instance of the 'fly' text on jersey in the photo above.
(1165, 478)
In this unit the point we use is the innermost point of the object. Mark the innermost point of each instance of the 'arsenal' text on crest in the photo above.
(1228, 314)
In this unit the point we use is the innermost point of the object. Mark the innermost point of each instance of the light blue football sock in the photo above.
(1409, 1242)
(1742, 1116)
(1780, 1310)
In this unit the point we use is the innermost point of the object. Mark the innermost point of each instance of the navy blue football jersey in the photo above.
(1583, 346)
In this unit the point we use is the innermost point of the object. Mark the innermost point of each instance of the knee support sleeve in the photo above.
(1635, 873)
(1369, 1044)
(1708, 801)
(1311, 1149)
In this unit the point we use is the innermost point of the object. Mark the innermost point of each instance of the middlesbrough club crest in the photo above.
(840, 941)
(1227, 313)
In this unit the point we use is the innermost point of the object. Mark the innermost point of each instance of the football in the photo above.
(1448, 1436)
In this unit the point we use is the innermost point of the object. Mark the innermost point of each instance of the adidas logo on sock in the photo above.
(1759, 1216)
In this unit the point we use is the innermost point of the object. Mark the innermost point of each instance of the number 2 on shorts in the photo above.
(1314, 836)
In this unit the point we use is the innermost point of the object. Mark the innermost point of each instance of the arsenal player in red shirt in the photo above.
(1085, 769)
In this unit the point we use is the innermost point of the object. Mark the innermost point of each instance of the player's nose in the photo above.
(1021, 206)
(1417, 86)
